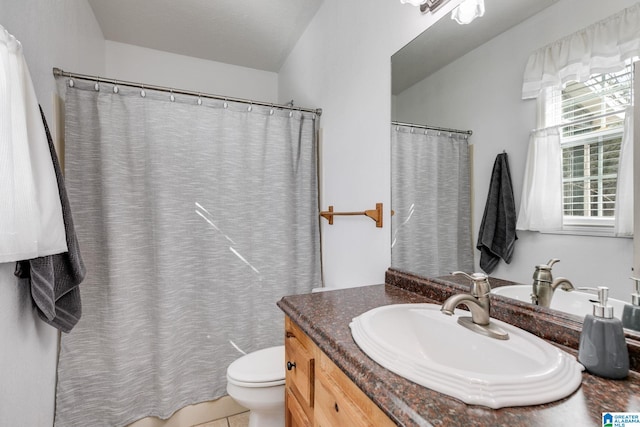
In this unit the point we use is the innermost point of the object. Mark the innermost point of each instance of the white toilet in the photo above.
(256, 381)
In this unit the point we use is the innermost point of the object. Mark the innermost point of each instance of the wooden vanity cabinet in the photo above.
(318, 393)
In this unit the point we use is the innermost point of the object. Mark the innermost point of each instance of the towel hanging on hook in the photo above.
(497, 234)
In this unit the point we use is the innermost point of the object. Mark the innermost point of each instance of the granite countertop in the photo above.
(325, 318)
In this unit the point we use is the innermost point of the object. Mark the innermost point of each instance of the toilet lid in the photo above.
(262, 366)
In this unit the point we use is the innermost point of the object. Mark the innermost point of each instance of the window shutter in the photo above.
(590, 116)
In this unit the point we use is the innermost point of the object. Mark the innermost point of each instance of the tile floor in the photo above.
(239, 420)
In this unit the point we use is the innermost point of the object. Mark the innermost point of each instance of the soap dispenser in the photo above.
(603, 349)
(631, 313)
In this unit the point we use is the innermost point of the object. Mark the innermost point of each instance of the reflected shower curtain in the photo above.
(195, 217)
(431, 198)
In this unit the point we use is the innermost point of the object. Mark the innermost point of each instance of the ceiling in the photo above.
(446, 40)
(257, 34)
(260, 34)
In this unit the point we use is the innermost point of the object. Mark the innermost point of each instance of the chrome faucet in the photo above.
(477, 301)
(478, 304)
(544, 286)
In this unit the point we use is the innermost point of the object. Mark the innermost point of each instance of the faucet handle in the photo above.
(472, 276)
(480, 286)
(552, 261)
(548, 265)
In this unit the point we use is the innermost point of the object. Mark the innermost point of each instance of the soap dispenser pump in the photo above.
(631, 313)
(603, 349)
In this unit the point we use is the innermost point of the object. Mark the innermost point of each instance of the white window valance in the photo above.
(600, 48)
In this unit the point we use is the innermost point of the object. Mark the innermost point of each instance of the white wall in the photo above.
(482, 92)
(342, 65)
(60, 33)
(149, 66)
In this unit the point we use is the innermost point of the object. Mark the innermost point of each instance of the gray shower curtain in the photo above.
(431, 198)
(194, 217)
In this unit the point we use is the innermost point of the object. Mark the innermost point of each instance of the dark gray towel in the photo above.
(54, 279)
(498, 228)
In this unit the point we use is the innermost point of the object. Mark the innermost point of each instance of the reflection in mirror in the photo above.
(431, 198)
(470, 77)
(577, 302)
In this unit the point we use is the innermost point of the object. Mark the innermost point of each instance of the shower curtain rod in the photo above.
(59, 72)
(465, 132)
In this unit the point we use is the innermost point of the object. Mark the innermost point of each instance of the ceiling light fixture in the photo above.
(425, 5)
(467, 11)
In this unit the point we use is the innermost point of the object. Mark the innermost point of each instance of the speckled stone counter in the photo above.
(325, 318)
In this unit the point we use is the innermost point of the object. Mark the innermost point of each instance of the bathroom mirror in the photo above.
(469, 77)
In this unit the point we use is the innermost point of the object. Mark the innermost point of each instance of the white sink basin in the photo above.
(574, 302)
(421, 344)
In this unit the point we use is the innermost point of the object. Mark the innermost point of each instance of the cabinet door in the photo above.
(334, 408)
(339, 402)
(300, 359)
(295, 416)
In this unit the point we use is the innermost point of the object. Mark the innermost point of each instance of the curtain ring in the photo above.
(250, 107)
(71, 83)
(115, 87)
(172, 97)
(142, 92)
(97, 86)
(199, 100)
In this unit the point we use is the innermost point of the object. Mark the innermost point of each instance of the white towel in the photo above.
(31, 223)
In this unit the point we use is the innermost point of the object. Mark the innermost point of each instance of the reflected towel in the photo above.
(54, 279)
(497, 233)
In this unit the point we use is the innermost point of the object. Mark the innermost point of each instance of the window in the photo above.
(590, 116)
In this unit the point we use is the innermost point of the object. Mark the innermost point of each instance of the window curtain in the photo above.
(195, 216)
(431, 199)
(541, 202)
(600, 48)
(31, 223)
(623, 225)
